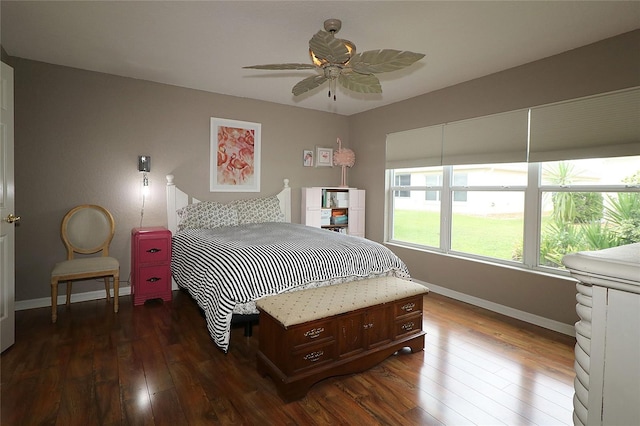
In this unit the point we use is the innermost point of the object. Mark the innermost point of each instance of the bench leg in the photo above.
(417, 344)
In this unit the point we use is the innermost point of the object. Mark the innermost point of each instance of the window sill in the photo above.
(548, 272)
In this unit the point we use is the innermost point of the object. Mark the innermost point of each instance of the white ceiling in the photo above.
(204, 45)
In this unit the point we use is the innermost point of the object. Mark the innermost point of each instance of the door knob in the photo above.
(12, 218)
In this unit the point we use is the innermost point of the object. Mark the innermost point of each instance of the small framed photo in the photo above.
(324, 157)
(307, 158)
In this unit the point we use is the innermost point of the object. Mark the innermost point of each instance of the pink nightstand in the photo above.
(150, 264)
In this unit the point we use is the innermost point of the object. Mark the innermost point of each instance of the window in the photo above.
(416, 217)
(479, 210)
(523, 187)
(486, 210)
(433, 180)
(459, 180)
(402, 180)
(588, 204)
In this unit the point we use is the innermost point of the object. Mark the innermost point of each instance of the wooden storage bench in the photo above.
(309, 335)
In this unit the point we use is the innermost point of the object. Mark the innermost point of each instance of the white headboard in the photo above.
(177, 199)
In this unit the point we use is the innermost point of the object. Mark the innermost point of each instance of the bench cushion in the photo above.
(297, 307)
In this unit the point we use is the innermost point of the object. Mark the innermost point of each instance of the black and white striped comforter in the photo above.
(225, 266)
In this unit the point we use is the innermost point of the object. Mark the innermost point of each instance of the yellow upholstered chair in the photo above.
(86, 229)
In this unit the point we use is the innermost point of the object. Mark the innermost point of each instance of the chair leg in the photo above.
(116, 290)
(54, 300)
(106, 287)
(69, 287)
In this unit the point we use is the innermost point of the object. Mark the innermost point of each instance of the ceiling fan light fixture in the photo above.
(350, 46)
(317, 61)
(322, 62)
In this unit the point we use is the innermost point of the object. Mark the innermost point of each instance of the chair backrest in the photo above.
(87, 229)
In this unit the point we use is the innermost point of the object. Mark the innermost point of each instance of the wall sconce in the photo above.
(144, 166)
(144, 163)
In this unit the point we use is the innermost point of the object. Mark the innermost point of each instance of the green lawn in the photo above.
(493, 237)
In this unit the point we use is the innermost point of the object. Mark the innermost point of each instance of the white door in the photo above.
(7, 205)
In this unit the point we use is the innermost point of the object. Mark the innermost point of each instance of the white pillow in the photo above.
(258, 210)
(207, 215)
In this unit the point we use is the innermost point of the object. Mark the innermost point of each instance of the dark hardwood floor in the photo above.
(156, 365)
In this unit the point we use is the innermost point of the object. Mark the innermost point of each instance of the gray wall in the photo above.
(601, 67)
(78, 135)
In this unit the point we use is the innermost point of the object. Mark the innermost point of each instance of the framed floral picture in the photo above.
(234, 156)
(324, 157)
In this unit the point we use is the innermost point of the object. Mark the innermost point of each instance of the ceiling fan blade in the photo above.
(283, 67)
(362, 83)
(308, 84)
(327, 47)
(385, 60)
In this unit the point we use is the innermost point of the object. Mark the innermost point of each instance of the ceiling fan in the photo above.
(337, 60)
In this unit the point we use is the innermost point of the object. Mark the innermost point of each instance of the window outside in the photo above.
(588, 205)
(489, 224)
(578, 205)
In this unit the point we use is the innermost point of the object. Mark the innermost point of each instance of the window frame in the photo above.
(532, 227)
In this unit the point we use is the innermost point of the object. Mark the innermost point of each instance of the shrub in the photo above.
(623, 213)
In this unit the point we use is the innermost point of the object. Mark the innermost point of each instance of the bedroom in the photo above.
(82, 132)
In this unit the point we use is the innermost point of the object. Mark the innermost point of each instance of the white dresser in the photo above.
(607, 384)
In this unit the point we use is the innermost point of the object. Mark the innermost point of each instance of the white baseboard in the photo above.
(21, 305)
(472, 300)
(547, 323)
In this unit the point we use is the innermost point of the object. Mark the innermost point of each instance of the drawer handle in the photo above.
(154, 250)
(314, 332)
(368, 326)
(313, 356)
(408, 307)
(153, 279)
(408, 326)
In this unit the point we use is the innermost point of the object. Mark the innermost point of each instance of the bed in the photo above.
(227, 256)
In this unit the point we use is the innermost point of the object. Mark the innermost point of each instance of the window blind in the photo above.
(606, 125)
(599, 126)
(498, 138)
(414, 148)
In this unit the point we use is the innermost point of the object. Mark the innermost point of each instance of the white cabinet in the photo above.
(336, 209)
(607, 384)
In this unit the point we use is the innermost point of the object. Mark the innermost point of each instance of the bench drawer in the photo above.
(408, 325)
(313, 333)
(313, 356)
(408, 306)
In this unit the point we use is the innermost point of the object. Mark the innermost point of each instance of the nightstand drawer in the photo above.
(154, 281)
(153, 250)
